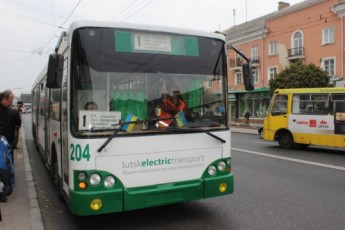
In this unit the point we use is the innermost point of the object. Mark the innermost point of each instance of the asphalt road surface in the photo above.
(274, 189)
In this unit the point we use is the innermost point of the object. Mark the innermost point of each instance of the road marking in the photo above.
(291, 159)
(265, 142)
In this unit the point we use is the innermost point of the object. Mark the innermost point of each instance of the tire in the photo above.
(285, 140)
(55, 172)
(261, 133)
(54, 167)
(9, 189)
(301, 146)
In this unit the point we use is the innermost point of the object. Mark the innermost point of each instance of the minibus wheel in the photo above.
(285, 140)
(301, 146)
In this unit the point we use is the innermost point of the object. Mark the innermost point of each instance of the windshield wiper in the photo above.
(116, 132)
(215, 137)
(97, 130)
(126, 123)
(205, 105)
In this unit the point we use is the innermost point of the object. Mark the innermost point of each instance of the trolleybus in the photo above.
(123, 154)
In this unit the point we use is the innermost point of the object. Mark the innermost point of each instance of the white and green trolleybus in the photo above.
(118, 157)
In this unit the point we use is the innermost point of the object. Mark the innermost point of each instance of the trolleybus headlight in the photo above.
(223, 187)
(82, 176)
(109, 181)
(95, 179)
(212, 170)
(221, 166)
(228, 161)
(96, 204)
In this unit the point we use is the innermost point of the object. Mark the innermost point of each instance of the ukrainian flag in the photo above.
(129, 126)
(181, 119)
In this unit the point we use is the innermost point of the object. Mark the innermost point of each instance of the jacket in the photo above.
(9, 119)
(169, 110)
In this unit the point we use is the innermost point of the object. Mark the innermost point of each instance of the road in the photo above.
(274, 189)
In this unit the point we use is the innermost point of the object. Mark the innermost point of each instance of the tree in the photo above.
(299, 75)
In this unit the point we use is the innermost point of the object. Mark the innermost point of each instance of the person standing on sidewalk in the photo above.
(247, 116)
(14, 116)
(9, 118)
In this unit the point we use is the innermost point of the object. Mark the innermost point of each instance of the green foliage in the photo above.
(299, 75)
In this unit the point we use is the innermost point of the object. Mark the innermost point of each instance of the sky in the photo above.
(30, 29)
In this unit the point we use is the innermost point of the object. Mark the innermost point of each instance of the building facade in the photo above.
(311, 31)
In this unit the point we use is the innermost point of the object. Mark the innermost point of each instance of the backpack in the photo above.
(6, 168)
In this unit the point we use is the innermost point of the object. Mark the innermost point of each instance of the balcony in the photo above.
(296, 53)
(255, 61)
(235, 63)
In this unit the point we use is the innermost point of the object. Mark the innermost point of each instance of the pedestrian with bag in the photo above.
(9, 120)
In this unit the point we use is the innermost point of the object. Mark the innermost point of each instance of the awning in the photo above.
(263, 89)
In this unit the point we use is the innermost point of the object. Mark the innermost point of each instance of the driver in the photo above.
(171, 106)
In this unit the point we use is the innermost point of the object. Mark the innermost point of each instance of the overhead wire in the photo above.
(319, 17)
(130, 10)
(14, 50)
(290, 30)
(128, 7)
(26, 17)
(61, 26)
(142, 7)
(25, 8)
(17, 59)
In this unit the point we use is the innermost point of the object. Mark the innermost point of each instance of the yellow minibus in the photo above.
(306, 116)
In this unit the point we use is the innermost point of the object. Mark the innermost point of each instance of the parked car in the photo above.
(260, 131)
(26, 109)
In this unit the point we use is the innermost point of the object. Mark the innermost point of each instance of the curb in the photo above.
(35, 212)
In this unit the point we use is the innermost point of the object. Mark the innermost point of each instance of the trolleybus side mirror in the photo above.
(54, 74)
(246, 70)
(247, 76)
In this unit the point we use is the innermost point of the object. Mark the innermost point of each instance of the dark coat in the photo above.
(247, 114)
(9, 120)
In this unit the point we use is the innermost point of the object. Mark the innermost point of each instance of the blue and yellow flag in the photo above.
(130, 118)
(181, 119)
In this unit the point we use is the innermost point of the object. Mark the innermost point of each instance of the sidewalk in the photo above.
(241, 128)
(21, 211)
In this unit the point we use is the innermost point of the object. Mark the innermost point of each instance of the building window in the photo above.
(256, 76)
(239, 57)
(272, 48)
(238, 78)
(208, 84)
(255, 53)
(297, 43)
(272, 72)
(327, 35)
(256, 103)
(328, 64)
